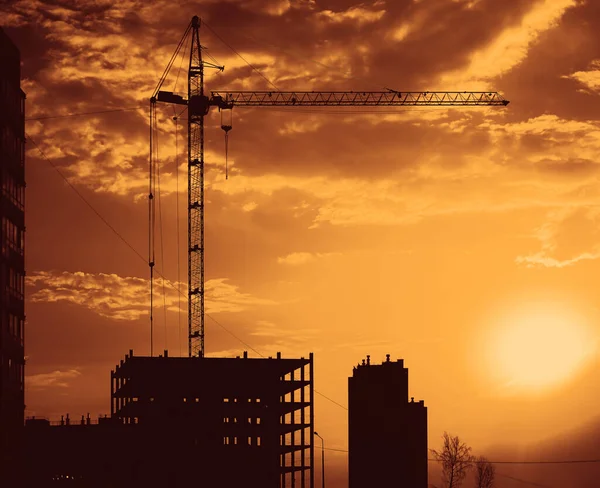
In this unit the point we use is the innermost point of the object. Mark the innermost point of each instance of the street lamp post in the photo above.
(322, 460)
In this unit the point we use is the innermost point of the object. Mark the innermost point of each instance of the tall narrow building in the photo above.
(387, 434)
(12, 262)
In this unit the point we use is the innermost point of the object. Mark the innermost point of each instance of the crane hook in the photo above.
(226, 126)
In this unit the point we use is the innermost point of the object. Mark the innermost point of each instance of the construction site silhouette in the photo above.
(197, 420)
(239, 421)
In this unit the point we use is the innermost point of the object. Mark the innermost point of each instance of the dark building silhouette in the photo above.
(387, 434)
(187, 422)
(12, 263)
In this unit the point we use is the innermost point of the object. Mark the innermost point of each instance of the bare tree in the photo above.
(485, 473)
(456, 459)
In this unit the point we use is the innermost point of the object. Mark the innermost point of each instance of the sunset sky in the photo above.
(463, 240)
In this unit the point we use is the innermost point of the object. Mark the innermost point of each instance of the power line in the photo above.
(120, 236)
(521, 480)
(332, 401)
(325, 111)
(262, 356)
(570, 461)
(330, 449)
(233, 335)
(86, 201)
(574, 461)
(78, 114)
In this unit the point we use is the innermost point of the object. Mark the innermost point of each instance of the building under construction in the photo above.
(174, 421)
(387, 434)
(12, 261)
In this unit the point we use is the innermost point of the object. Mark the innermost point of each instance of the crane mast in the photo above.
(196, 115)
(198, 106)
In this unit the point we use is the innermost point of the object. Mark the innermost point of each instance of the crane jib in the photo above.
(200, 104)
(354, 99)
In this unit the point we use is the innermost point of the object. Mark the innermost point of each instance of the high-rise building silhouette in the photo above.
(12, 263)
(387, 433)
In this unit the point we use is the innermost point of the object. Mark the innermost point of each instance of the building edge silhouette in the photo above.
(387, 433)
(12, 263)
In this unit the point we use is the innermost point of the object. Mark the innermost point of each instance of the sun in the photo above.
(539, 347)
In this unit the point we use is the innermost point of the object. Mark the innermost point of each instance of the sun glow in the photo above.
(540, 347)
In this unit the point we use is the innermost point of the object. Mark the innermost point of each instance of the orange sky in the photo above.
(423, 233)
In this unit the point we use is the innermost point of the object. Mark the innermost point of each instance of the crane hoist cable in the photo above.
(151, 223)
(160, 226)
(156, 194)
(177, 227)
(176, 117)
(153, 177)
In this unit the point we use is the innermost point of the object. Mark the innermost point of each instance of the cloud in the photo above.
(268, 337)
(547, 124)
(56, 379)
(230, 353)
(547, 139)
(511, 46)
(312, 124)
(590, 79)
(249, 206)
(540, 259)
(358, 14)
(346, 201)
(569, 236)
(109, 161)
(297, 258)
(224, 297)
(107, 55)
(128, 298)
(271, 330)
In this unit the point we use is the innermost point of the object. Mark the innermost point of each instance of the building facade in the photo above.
(226, 422)
(387, 433)
(12, 262)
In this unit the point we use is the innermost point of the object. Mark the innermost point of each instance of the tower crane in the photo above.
(199, 103)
